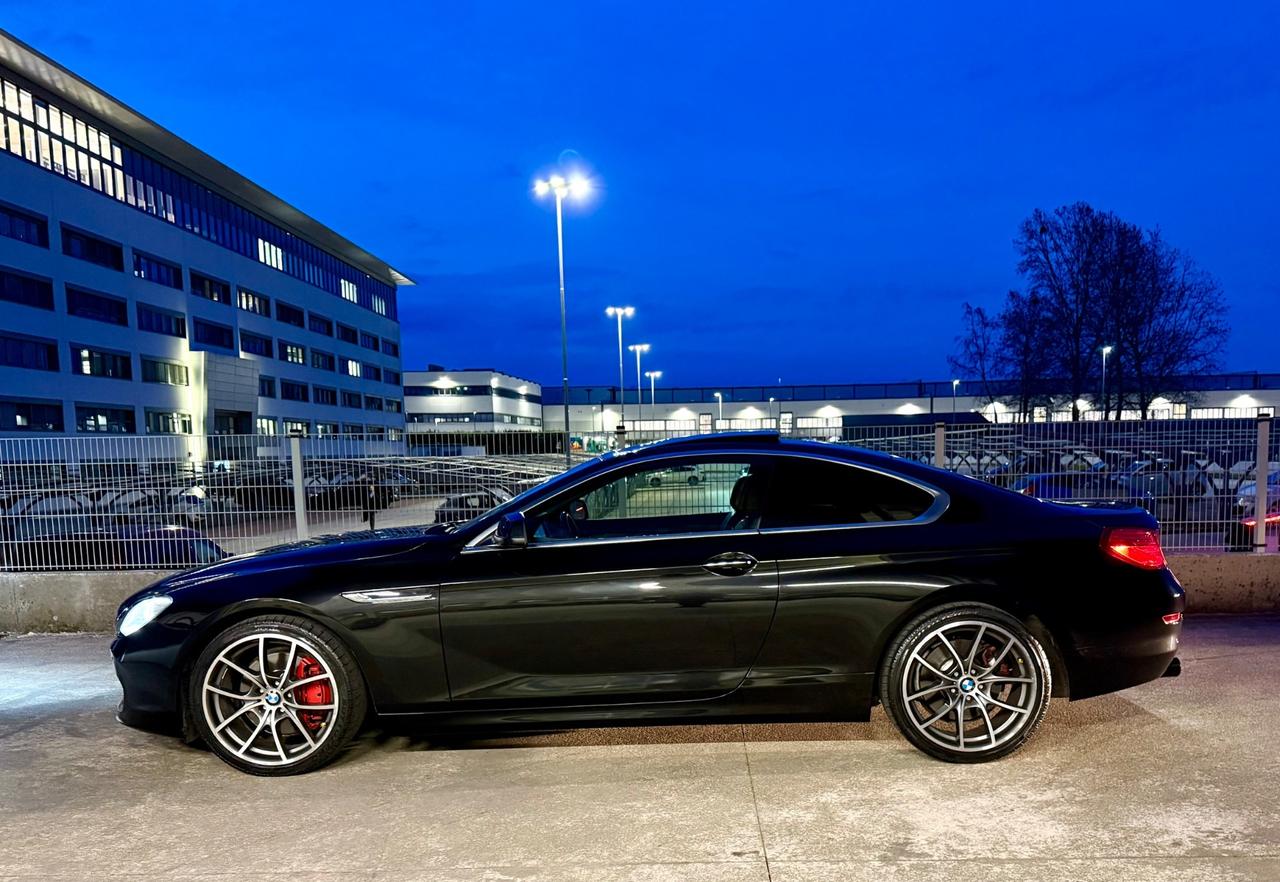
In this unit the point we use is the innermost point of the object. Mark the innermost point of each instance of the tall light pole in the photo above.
(578, 187)
(771, 401)
(653, 400)
(621, 312)
(955, 384)
(638, 349)
(720, 402)
(1106, 350)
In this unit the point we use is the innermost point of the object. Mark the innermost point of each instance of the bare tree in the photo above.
(978, 351)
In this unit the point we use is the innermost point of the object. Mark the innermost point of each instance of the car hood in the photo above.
(313, 552)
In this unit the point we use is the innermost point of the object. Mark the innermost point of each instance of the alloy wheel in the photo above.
(970, 686)
(270, 698)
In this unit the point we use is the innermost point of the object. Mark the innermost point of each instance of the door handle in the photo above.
(731, 563)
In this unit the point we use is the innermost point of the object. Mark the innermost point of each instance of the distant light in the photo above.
(1106, 350)
(557, 182)
(493, 381)
(955, 384)
(624, 311)
(579, 186)
(541, 188)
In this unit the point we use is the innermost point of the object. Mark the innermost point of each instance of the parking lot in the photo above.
(1175, 780)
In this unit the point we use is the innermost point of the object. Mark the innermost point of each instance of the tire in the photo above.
(999, 700)
(313, 702)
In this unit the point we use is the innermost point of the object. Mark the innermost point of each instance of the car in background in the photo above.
(683, 474)
(462, 507)
(130, 547)
(1240, 536)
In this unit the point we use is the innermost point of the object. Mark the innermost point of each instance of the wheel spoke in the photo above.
(991, 730)
(930, 691)
(960, 723)
(243, 672)
(1006, 680)
(308, 707)
(940, 714)
(244, 745)
(304, 681)
(918, 657)
(233, 695)
(297, 724)
(262, 659)
(1009, 707)
(951, 649)
(973, 650)
(288, 664)
(235, 716)
(275, 736)
(999, 658)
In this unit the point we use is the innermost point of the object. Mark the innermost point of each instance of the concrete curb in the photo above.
(53, 602)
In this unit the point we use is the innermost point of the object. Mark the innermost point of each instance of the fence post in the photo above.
(1262, 475)
(940, 445)
(299, 492)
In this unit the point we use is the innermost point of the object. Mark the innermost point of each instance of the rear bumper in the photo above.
(1131, 644)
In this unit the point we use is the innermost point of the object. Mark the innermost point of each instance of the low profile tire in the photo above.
(966, 683)
(294, 719)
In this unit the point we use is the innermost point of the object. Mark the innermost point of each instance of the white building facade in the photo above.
(147, 289)
(471, 400)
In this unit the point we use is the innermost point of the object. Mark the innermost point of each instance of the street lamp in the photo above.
(621, 312)
(578, 187)
(955, 384)
(771, 401)
(1106, 350)
(720, 401)
(638, 348)
(653, 400)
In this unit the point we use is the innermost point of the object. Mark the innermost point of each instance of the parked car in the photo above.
(828, 580)
(465, 506)
(117, 547)
(682, 474)
(1240, 536)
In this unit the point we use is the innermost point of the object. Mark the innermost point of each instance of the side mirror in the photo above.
(512, 531)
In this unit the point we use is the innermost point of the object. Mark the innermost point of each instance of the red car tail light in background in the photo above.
(1134, 545)
(1172, 618)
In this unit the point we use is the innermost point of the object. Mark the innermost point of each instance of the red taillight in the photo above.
(1172, 618)
(1134, 546)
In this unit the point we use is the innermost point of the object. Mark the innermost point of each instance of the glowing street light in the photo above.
(1106, 350)
(578, 187)
(955, 384)
(653, 401)
(621, 312)
(720, 401)
(638, 349)
(771, 401)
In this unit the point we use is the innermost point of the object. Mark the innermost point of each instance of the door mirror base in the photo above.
(512, 531)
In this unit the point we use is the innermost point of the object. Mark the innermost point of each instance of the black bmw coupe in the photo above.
(795, 580)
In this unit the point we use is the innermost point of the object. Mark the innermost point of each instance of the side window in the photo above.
(671, 498)
(816, 493)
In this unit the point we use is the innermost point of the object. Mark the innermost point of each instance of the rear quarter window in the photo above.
(816, 493)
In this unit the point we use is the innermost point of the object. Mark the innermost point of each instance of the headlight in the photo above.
(143, 613)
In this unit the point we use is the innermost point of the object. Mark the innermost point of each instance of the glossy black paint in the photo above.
(795, 625)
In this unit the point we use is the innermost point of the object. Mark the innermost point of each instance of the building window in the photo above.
(160, 322)
(212, 334)
(349, 291)
(254, 344)
(351, 367)
(395, 405)
(27, 290)
(379, 304)
(348, 335)
(322, 360)
(390, 376)
(376, 433)
(271, 255)
(320, 324)
(265, 425)
(296, 427)
(258, 304)
(29, 228)
(85, 247)
(369, 341)
(153, 269)
(160, 422)
(394, 434)
(372, 403)
(167, 373)
(354, 430)
(352, 399)
(326, 429)
(21, 415)
(266, 387)
(108, 419)
(97, 363)
(371, 372)
(28, 352)
(291, 352)
(290, 315)
(97, 307)
(210, 289)
(324, 395)
(390, 347)
(290, 391)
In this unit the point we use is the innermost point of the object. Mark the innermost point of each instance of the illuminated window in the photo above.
(349, 291)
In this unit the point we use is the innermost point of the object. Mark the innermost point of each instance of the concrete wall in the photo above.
(1215, 583)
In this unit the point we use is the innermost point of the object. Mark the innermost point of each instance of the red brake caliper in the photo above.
(319, 692)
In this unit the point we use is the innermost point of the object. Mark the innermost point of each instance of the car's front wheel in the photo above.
(276, 695)
(966, 683)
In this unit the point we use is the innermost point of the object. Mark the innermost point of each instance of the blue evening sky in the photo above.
(805, 191)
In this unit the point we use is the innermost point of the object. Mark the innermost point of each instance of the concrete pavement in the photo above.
(1176, 780)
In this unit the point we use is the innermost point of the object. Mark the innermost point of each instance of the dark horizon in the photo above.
(805, 195)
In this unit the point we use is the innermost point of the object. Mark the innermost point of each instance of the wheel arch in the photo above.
(1002, 598)
(231, 615)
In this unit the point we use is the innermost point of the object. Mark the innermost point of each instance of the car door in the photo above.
(627, 592)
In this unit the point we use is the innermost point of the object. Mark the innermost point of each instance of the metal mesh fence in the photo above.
(171, 502)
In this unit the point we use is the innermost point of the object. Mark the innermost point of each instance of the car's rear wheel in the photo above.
(966, 683)
(276, 695)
